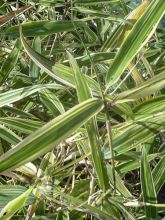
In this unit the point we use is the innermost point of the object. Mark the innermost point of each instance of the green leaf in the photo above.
(131, 135)
(9, 136)
(10, 62)
(133, 164)
(50, 135)
(25, 126)
(112, 3)
(75, 203)
(119, 183)
(92, 36)
(123, 109)
(10, 192)
(46, 65)
(96, 57)
(39, 28)
(83, 93)
(127, 214)
(135, 40)
(18, 94)
(118, 35)
(158, 174)
(98, 14)
(17, 112)
(59, 72)
(15, 205)
(146, 88)
(148, 188)
(151, 106)
(51, 101)
(82, 88)
(34, 70)
(114, 38)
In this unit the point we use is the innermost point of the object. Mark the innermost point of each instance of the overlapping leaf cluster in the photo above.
(82, 109)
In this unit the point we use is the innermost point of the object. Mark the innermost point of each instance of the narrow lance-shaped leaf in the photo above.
(34, 69)
(10, 62)
(45, 64)
(127, 214)
(98, 13)
(39, 28)
(112, 3)
(146, 88)
(84, 93)
(151, 106)
(23, 125)
(14, 95)
(119, 183)
(8, 135)
(11, 192)
(50, 135)
(133, 164)
(158, 174)
(148, 188)
(135, 133)
(15, 205)
(58, 72)
(92, 36)
(96, 57)
(51, 101)
(17, 112)
(122, 30)
(82, 88)
(135, 40)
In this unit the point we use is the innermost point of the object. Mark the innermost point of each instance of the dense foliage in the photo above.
(82, 109)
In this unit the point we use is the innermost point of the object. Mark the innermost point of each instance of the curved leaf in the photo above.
(58, 72)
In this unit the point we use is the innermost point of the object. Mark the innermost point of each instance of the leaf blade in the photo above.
(51, 134)
(148, 188)
(134, 41)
